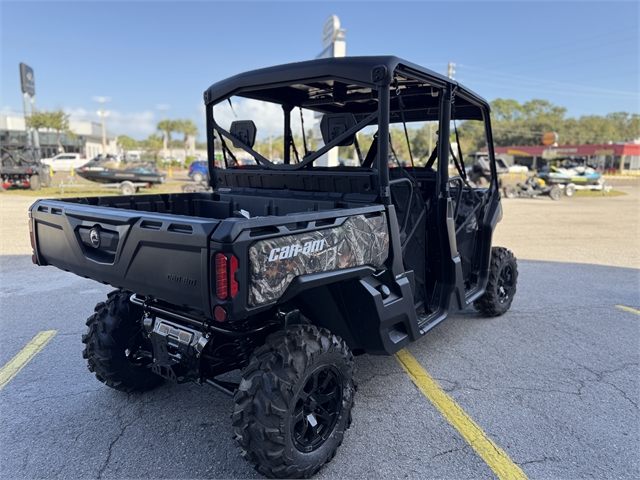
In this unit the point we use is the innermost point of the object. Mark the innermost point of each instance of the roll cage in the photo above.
(377, 90)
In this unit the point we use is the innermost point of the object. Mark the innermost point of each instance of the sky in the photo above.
(145, 55)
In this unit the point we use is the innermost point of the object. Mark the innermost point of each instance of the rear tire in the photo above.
(501, 286)
(34, 182)
(555, 193)
(301, 376)
(198, 177)
(113, 345)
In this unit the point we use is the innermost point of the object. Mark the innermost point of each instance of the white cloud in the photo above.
(138, 125)
(268, 117)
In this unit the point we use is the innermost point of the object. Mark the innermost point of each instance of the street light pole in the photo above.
(163, 108)
(103, 114)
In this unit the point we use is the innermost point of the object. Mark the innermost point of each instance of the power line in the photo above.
(580, 62)
(570, 42)
(572, 86)
(556, 54)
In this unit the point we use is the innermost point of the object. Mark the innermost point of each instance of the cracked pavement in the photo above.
(554, 382)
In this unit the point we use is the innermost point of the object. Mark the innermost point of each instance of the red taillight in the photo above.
(234, 269)
(222, 281)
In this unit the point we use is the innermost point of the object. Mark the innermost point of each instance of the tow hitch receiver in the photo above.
(176, 349)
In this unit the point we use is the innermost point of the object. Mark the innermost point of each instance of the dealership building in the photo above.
(88, 137)
(615, 157)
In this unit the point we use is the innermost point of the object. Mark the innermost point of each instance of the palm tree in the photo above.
(126, 143)
(167, 127)
(153, 144)
(190, 130)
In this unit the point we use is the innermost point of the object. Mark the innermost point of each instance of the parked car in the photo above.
(198, 170)
(64, 162)
(518, 169)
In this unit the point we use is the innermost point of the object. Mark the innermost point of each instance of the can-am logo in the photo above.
(295, 249)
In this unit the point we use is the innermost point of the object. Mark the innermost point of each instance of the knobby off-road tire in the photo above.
(112, 341)
(501, 286)
(303, 374)
(34, 182)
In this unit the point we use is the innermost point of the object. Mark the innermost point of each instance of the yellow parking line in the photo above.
(16, 364)
(491, 453)
(628, 309)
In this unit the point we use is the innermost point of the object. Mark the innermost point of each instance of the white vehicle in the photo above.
(518, 169)
(64, 162)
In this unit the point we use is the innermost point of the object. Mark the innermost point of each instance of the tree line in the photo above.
(513, 124)
(155, 143)
(524, 124)
(56, 121)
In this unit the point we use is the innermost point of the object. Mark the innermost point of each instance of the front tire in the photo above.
(115, 347)
(510, 191)
(294, 402)
(501, 286)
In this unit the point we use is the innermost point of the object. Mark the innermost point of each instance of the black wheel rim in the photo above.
(317, 409)
(505, 284)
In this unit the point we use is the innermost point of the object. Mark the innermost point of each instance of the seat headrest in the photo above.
(333, 125)
(244, 131)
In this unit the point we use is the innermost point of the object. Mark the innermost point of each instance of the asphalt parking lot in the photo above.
(555, 383)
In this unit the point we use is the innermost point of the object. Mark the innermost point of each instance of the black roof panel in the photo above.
(280, 84)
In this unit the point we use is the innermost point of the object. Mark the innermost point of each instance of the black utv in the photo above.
(21, 167)
(290, 266)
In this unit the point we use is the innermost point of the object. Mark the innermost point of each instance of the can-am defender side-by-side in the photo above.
(290, 267)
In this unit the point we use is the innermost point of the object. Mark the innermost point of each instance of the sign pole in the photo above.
(333, 45)
(28, 130)
(36, 135)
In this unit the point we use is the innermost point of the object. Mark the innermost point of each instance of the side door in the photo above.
(473, 185)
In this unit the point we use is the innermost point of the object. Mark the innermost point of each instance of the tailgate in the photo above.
(152, 254)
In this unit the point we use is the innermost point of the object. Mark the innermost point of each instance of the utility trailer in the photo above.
(286, 271)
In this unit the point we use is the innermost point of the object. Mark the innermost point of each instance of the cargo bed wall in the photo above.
(165, 256)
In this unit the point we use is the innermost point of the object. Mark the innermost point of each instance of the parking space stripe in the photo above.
(491, 453)
(628, 309)
(17, 363)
